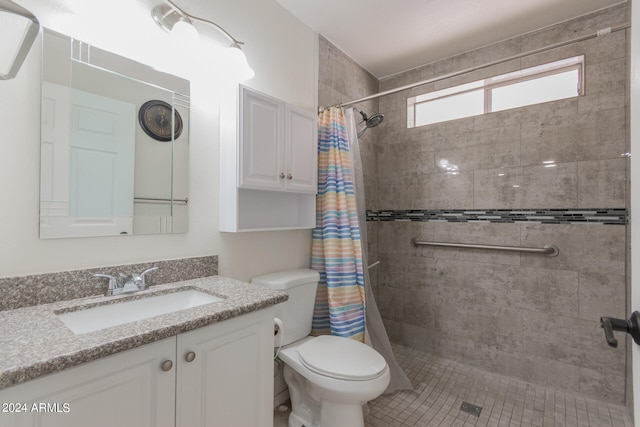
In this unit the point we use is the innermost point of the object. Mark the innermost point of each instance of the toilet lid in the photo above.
(341, 358)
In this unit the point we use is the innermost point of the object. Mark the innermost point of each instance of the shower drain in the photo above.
(471, 409)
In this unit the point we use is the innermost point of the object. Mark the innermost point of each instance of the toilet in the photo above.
(330, 378)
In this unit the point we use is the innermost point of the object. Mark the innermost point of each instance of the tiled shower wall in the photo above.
(526, 316)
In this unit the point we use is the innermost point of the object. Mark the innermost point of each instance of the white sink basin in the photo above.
(105, 316)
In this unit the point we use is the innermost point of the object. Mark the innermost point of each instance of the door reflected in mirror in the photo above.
(114, 144)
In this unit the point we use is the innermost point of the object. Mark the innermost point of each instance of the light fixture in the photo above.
(169, 16)
(185, 31)
(18, 30)
(238, 63)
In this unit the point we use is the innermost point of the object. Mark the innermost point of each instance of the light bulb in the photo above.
(238, 63)
(184, 31)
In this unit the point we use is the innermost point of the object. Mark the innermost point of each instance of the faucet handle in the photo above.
(108, 276)
(114, 282)
(148, 270)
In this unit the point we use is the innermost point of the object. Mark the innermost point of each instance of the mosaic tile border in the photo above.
(506, 216)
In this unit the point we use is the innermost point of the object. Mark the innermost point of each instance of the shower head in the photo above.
(375, 120)
(369, 122)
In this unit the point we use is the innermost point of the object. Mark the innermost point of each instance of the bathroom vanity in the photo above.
(209, 365)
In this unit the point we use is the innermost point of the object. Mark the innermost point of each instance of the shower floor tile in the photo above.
(441, 386)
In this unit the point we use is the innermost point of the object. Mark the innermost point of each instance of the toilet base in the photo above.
(337, 414)
(303, 407)
(296, 421)
(309, 409)
(344, 416)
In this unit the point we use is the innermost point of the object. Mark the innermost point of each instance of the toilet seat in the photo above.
(341, 358)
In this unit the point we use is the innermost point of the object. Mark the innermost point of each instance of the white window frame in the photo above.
(502, 80)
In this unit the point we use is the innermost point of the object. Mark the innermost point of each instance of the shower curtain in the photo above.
(340, 244)
(336, 252)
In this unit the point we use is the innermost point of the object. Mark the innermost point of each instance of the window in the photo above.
(548, 82)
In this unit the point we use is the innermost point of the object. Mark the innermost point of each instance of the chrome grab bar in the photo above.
(375, 264)
(548, 250)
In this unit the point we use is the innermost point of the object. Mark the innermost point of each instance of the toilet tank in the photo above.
(297, 312)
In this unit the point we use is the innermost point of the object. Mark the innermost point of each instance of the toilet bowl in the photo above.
(329, 377)
(329, 380)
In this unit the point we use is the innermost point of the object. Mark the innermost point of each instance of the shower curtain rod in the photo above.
(599, 33)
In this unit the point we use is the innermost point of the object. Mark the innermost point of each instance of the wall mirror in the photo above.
(114, 144)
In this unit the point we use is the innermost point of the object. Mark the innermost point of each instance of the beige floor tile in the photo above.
(441, 385)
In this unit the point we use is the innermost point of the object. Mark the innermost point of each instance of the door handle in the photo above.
(610, 324)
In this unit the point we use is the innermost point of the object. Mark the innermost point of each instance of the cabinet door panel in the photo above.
(260, 142)
(301, 151)
(230, 381)
(126, 389)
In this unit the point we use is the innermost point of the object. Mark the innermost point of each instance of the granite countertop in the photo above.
(34, 342)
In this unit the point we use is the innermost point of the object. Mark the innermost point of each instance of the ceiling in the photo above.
(389, 36)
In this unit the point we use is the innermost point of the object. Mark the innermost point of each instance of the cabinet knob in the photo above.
(289, 176)
(190, 357)
(166, 365)
(282, 175)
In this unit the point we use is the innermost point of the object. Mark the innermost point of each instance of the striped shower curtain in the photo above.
(336, 251)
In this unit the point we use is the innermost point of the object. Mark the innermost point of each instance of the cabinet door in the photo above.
(230, 380)
(126, 389)
(261, 141)
(301, 150)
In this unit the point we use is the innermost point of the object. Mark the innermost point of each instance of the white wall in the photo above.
(281, 50)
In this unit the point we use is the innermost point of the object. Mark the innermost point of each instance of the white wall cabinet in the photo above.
(277, 143)
(268, 165)
(229, 382)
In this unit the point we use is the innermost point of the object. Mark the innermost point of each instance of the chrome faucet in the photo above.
(125, 284)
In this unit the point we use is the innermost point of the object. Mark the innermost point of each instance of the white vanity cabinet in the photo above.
(277, 143)
(125, 389)
(218, 375)
(268, 164)
(225, 373)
